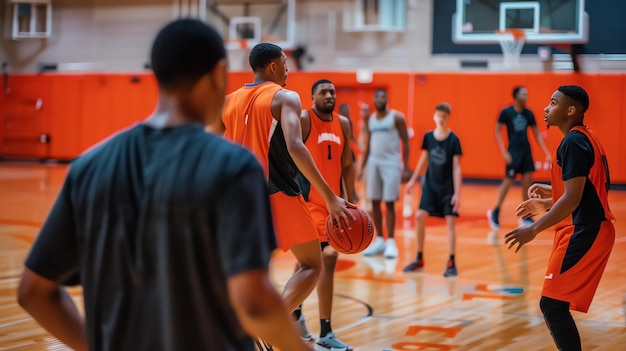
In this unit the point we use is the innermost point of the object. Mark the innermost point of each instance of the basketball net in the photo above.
(512, 43)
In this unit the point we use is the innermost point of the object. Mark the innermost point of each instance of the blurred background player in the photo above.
(385, 166)
(327, 136)
(577, 205)
(344, 110)
(152, 220)
(441, 154)
(517, 156)
(264, 108)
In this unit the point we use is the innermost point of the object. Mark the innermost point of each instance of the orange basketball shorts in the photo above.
(319, 215)
(579, 256)
(292, 220)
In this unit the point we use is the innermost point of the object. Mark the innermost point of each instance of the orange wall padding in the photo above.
(77, 111)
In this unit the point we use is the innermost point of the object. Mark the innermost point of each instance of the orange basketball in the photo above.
(352, 240)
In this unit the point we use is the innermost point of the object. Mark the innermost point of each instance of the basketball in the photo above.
(353, 240)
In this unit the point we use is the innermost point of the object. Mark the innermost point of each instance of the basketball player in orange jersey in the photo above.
(265, 117)
(151, 223)
(577, 203)
(327, 136)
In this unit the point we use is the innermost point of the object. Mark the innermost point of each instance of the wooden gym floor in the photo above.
(491, 305)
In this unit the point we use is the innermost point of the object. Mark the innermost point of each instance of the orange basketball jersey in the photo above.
(249, 121)
(584, 240)
(248, 117)
(598, 176)
(325, 142)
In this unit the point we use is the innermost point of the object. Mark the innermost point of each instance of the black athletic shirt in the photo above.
(440, 154)
(155, 221)
(575, 156)
(517, 124)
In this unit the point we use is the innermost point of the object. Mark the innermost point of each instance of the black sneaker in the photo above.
(414, 266)
(494, 219)
(450, 270)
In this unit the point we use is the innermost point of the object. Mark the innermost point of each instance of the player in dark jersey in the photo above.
(441, 151)
(153, 223)
(577, 204)
(518, 156)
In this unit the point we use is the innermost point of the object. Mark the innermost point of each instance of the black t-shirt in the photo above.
(440, 155)
(575, 156)
(517, 124)
(155, 221)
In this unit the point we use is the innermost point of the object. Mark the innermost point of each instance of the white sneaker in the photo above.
(304, 329)
(391, 250)
(375, 248)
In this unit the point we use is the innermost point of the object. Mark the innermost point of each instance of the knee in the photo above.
(314, 266)
(421, 215)
(553, 308)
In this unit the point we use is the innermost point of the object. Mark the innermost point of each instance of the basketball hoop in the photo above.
(238, 50)
(511, 42)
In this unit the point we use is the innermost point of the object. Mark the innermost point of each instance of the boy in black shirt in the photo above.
(517, 156)
(167, 227)
(441, 151)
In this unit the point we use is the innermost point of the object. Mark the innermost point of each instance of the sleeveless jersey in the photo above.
(594, 206)
(384, 140)
(249, 121)
(325, 142)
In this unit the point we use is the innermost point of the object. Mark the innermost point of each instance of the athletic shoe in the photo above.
(494, 220)
(375, 248)
(391, 250)
(304, 329)
(414, 266)
(331, 343)
(450, 270)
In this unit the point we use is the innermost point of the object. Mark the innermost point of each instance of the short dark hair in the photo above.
(262, 54)
(516, 91)
(183, 51)
(380, 91)
(316, 84)
(443, 107)
(577, 94)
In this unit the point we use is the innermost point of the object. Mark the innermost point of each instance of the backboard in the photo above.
(543, 21)
(249, 22)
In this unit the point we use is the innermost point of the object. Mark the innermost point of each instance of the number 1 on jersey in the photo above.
(329, 155)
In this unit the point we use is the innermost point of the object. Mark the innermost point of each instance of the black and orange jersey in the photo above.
(325, 143)
(248, 120)
(580, 154)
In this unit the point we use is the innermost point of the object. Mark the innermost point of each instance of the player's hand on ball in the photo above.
(520, 237)
(540, 191)
(338, 209)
